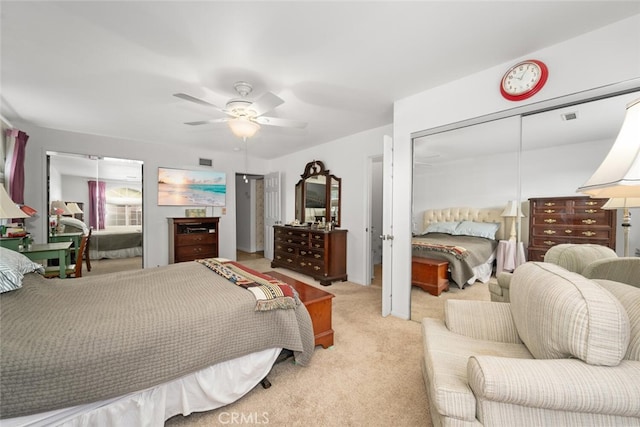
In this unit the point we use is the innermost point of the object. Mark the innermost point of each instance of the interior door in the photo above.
(271, 210)
(387, 221)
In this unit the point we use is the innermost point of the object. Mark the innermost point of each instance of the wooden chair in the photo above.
(73, 270)
(86, 250)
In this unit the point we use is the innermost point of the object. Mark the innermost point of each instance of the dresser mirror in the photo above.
(318, 195)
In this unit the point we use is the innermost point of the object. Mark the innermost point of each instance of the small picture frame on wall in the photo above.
(195, 213)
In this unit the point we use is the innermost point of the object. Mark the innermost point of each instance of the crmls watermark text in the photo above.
(243, 417)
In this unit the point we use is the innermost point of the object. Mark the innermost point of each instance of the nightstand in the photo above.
(509, 255)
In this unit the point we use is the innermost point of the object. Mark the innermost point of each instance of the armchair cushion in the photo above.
(560, 314)
(482, 320)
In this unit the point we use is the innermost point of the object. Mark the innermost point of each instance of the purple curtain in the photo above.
(18, 140)
(97, 204)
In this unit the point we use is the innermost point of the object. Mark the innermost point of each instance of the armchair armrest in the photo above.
(623, 270)
(557, 384)
(481, 320)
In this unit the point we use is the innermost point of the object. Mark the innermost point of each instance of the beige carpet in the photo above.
(371, 376)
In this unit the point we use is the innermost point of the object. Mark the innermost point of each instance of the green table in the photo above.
(67, 237)
(59, 251)
(11, 242)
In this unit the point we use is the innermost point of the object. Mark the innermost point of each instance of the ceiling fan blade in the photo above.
(197, 100)
(205, 122)
(266, 103)
(275, 121)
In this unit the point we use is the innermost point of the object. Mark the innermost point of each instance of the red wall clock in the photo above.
(524, 80)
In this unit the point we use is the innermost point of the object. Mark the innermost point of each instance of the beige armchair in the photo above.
(570, 256)
(564, 352)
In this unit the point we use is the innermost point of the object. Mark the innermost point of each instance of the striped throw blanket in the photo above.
(457, 251)
(270, 293)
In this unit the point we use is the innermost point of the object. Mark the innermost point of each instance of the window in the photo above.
(124, 207)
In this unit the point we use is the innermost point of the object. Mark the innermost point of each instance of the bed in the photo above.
(113, 242)
(139, 347)
(116, 242)
(467, 238)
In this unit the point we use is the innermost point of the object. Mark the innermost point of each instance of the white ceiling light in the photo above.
(243, 127)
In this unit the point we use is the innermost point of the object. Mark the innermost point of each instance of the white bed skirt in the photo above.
(208, 389)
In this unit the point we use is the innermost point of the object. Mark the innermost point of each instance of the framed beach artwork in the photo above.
(181, 187)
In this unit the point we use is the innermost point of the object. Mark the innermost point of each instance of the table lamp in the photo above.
(511, 211)
(618, 177)
(8, 209)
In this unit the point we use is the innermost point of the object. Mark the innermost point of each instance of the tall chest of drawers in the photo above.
(193, 238)
(556, 220)
(317, 253)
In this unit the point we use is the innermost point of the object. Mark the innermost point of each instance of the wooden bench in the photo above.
(430, 275)
(318, 303)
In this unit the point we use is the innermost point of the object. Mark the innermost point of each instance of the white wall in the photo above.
(155, 224)
(612, 54)
(346, 158)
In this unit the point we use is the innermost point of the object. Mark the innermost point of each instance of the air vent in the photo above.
(206, 162)
(570, 116)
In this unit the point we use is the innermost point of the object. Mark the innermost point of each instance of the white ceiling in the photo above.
(110, 68)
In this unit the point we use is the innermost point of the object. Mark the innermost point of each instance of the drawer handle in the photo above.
(589, 221)
(289, 260)
(591, 203)
(303, 252)
(317, 245)
(302, 264)
(316, 268)
(289, 233)
(289, 250)
(549, 210)
(550, 204)
(549, 232)
(303, 235)
(549, 242)
(589, 233)
(549, 220)
(317, 256)
(568, 231)
(278, 256)
(541, 257)
(289, 240)
(591, 210)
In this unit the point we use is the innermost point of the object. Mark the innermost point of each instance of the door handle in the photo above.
(386, 237)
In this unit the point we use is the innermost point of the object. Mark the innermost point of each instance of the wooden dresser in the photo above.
(555, 220)
(318, 253)
(192, 238)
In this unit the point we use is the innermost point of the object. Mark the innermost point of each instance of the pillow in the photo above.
(76, 223)
(13, 267)
(561, 314)
(442, 227)
(477, 229)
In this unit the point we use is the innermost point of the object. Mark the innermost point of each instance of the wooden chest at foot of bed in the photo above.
(318, 304)
(430, 275)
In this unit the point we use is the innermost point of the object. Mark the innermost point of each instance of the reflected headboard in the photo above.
(467, 214)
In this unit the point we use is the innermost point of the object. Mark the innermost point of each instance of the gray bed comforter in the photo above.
(66, 342)
(111, 241)
(479, 250)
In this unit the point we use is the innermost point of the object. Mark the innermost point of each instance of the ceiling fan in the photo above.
(245, 116)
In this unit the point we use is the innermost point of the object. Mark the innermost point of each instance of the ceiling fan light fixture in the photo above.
(243, 127)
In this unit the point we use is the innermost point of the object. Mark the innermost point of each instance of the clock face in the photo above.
(523, 80)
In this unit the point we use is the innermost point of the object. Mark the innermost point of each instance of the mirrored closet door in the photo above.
(101, 194)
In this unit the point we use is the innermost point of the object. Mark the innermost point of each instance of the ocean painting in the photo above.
(180, 187)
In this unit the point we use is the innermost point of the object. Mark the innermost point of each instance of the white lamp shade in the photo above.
(242, 127)
(74, 208)
(619, 174)
(58, 207)
(623, 202)
(8, 209)
(511, 210)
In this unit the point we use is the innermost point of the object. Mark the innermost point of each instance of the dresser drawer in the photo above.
(195, 238)
(313, 253)
(192, 252)
(577, 232)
